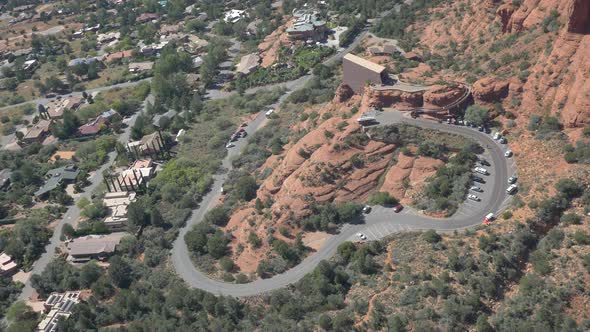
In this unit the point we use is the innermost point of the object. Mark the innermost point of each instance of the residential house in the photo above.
(138, 67)
(30, 65)
(55, 108)
(197, 62)
(7, 266)
(170, 29)
(93, 127)
(119, 55)
(248, 64)
(152, 49)
(80, 61)
(104, 38)
(38, 132)
(5, 176)
(307, 25)
(117, 203)
(57, 177)
(234, 15)
(195, 44)
(149, 144)
(358, 71)
(98, 247)
(385, 49)
(146, 17)
(160, 119)
(57, 306)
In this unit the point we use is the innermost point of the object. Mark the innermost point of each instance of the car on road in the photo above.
(50, 95)
(511, 189)
(361, 236)
(476, 189)
(243, 134)
(269, 112)
(503, 140)
(508, 153)
(512, 179)
(234, 137)
(480, 128)
(230, 145)
(496, 136)
(481, 170)
(367, 209)
(478, 179)
(398, 208)
(473, 197)
(489, 218)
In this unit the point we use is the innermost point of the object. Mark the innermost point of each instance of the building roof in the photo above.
(63, 155)
(119, 55)
(305, 20)
(141, 66)
(364, 63)
(147, 17)
(169, 115)
(95, 244)
(248, 63)
(79, 61)
(38, 130)
(56, 176)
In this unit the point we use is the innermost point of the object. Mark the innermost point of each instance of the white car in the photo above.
(473, 197)
(508, 154)
(481, 170)
(511, 189)
(367, 209)
(476, 189)
(512, 179)
(230, 145)
(361, 236)
(497, 135)
(269, 112)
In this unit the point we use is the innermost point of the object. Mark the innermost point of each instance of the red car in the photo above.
(398, 208)
(489, 218)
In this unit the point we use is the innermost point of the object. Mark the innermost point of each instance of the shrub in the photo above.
(431, 236)
(507, 215)
(382, 198)
(571, 219)
(226, 264)
(217, 216)
(581, 238)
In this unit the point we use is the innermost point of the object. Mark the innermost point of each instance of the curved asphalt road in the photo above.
(378, 224)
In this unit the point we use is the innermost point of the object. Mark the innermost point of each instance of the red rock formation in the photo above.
(578, 13)
(505, 12)
(390, 98)
(442, 95)
(490, 90)
(343, 93)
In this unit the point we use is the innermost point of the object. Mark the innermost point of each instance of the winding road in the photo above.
(380, 223)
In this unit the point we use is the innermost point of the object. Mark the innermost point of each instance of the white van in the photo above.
(511, 189)
(269, 112)
(481, 170)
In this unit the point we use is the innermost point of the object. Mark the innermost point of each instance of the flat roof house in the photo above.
(248, 64)
(7, 266)
(99, 247)
(358, 71)
(119, 55)
(117, 203)
(385, 49)
(138, 67)
(57, 306)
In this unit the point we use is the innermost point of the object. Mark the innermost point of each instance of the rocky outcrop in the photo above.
(578, 13)
(505, 12)
(442, 95)
(390, 98)
(490, 90)
(343, 93)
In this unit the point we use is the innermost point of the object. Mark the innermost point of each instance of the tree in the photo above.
(120, 272)
(89, 274)
(483, 325)
(217, 245)
(68, 126)
(477, 115)
(382, 198)
(431, 236)
(325, 322)
(137, 217)
(246, 188)
(217, 216)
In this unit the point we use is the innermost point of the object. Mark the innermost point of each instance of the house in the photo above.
(248, 64)
(99, 247)
(170, 29)
(117, 203)
(146, 17)
(152, 49)
(93, 127)
(30, 65)
(149, 144)
(37, 132)
(81, 61)
(119, 55)
(234, 15)
(385, 49)
(57, 177)
(358, 71)
(109, 115)
(195, 44)
(158, 118)
(57, 306)
(5, 176)
(412, 56)
(138, 67)
(7, 266)
(306, 25)
(55, 108)
(252, 28)
(197, 62)
(104, 38)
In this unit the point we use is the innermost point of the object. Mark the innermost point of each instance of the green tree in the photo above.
(217, 216)
(477, 115)
(246, 188)
(120, 272)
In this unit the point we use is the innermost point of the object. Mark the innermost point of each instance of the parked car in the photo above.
(269, 112)
(511, 189)
(508, 154)
(230, 145)
(449, 121)
(243, 134)
(503, 140)
(478, 179)
(367, 209)
(473, 197)
(480, 128)
(481, 170)
(361, 236)
(496, 135)
(489, 218)
(476, 188)
(484, 162)
(512, 179)
(398, 208)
